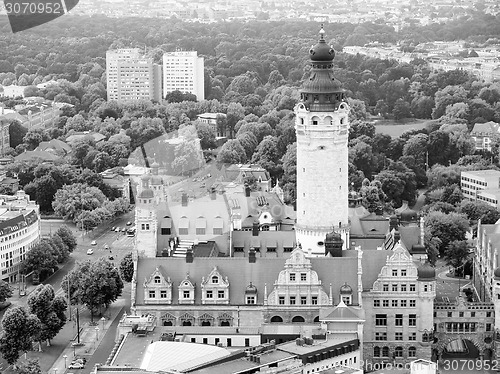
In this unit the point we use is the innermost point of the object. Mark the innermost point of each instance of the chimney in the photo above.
(393, 223)
(255, 229)
(397, 236)
(299, 341)
(189, 256)
(247, 191)
(184, 199)
(251, 256)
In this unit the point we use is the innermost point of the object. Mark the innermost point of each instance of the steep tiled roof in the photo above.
(488, 128)
(240, 273)
(34, 155)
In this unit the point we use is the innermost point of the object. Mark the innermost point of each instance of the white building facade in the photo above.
(184, 71)
(19, 232)
(322, 128)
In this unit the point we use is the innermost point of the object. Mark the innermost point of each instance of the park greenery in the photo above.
(95, 284)
(45, 256)
(127, 268)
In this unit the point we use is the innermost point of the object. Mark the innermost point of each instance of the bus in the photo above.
(131, 231)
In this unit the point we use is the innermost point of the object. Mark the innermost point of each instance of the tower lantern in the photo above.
(322, 129)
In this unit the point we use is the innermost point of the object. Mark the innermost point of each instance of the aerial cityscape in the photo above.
(250, 187)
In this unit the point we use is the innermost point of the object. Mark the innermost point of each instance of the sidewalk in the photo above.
(88, 337)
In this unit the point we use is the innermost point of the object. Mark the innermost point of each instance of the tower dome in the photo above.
(251, 289)
(146, 194)
(345, 289)
(409, 215)
(321, 51)
(426, 272)
(321, 90)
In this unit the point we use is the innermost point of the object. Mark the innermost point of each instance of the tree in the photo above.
(398, 183)
(446, 227)
(5, 292)
(70, 200)
(67, 237)
(96, 284)
(479, 210)
(289, 181)
(206, 135)
(266, 155)
(41, 259)
(373, 197)
(19, 330)
(248, 141)
(30, 366)
(231, 153)
(448, 96)
(49, 309)
(401, 109)
(456, 255)
(16, 133)
(127, 268)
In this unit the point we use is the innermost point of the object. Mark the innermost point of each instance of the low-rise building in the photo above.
(19, 232)
(475, 182)
(211, 120)
(484, 133)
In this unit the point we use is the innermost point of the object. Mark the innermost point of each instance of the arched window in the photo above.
(298, 319)
(157, 279)
(412, 352)
(276, 319)
(376, 351)
(398, 352)
(385, 352)
(215, 279)
(225, 323)
(316, 319)
(205, 323)
(186, 323)
(167, 323)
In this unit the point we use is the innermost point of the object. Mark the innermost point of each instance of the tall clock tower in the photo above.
(322, 128)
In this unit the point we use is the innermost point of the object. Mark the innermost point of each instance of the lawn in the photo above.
(396, 128)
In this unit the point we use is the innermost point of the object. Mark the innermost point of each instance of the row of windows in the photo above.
(402, 273)
(401, 287)
(382, 336)
(381, 320)
(395, 303)
(269, 249)
(461, 314)
(481, 183)
(199, 231)
(209, 294)
(294, 300)
(463, 327)
(398, 352)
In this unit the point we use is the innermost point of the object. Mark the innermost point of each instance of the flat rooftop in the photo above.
(292, 346)
(482, 173)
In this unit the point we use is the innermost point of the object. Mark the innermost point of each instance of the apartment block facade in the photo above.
(184, 71)
(132, 76)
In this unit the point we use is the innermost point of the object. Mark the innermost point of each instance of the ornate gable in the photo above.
(399, 267)
(298, 284)
(186, 291)
(158, 288)
(215, 288)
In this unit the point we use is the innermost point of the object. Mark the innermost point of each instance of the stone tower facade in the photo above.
(146, 219)
(322, 128)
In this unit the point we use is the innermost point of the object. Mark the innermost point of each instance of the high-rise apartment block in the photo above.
(184, 71)
(132, 76)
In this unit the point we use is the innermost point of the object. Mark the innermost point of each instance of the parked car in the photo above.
(111, 258)
(124, 229)
(106, 246)
(76, 365)
(113, 228)
(129, 223)
(90, 251)
(93, 242)
(117, 229)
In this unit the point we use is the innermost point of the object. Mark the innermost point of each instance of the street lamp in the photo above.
(65, 360)
(96, 333)
(103, 320)
(55, 370)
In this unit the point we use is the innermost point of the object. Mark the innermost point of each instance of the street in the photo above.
(119, 245)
